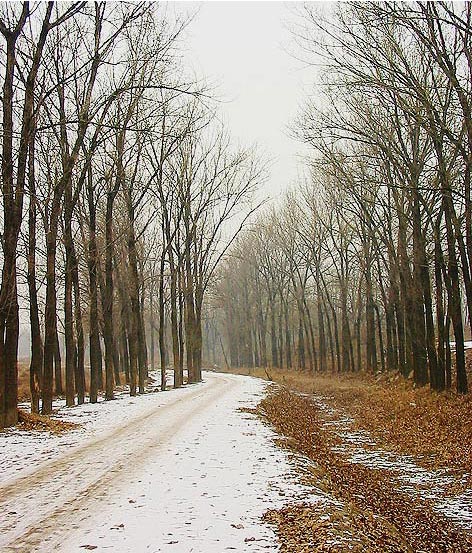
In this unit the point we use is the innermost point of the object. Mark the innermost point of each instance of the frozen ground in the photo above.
(181, 471)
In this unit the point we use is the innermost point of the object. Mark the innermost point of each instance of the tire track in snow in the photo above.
(41, 505)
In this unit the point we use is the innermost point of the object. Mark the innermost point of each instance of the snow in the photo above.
(467, 345)
(180, 471)
(25, 450)
(359, 447)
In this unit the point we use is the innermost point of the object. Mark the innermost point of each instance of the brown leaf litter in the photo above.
(33, 421)
(375, 517)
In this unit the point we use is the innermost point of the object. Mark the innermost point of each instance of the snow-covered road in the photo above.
(185, 471)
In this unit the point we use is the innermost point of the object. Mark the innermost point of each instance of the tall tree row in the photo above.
(367, 263)
(118, 194)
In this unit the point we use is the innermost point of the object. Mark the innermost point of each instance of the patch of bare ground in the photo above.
(377, 516)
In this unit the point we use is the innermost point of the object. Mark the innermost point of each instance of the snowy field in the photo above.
(180, 471)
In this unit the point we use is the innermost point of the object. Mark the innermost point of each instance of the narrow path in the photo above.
(193, 475)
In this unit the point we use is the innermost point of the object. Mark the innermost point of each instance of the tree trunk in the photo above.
(36, 362)
(455, 298)
(94, 333)
(50, 314)
(442, 337)
(178, 374)
(161, 334)
(80, 361)
(70, 345)
(108, 297)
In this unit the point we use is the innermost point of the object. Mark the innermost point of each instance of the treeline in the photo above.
(117, 186)
(367, 263)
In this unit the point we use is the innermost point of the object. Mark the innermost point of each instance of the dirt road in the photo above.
(192, 475)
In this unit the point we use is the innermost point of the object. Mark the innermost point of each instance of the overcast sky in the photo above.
(242, 46)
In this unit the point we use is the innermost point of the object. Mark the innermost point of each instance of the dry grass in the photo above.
(31, 421)
(437, 428)
(23, 382)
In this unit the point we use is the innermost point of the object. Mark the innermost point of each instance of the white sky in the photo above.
(241, 47)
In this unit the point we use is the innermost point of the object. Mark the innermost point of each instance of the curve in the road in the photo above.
(38, 506)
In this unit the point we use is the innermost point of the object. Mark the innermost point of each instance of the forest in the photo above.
(365, 264)
(117, 186)
(209, 342)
